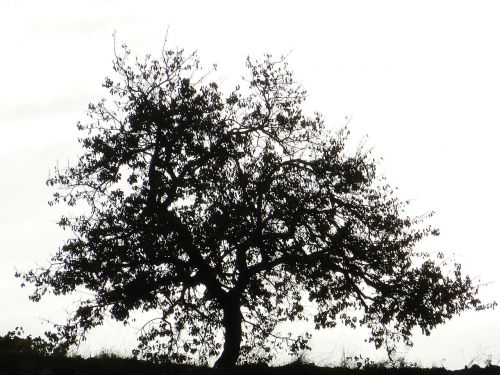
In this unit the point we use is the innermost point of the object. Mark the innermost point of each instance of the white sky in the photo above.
(421, 79)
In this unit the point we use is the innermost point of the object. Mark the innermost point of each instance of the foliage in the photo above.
(14, 342)
(223, 212)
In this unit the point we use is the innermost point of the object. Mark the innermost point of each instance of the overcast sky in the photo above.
(421, 79)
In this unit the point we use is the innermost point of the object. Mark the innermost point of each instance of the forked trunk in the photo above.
(232, 335)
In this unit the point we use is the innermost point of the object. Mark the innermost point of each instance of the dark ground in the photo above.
(29, 364)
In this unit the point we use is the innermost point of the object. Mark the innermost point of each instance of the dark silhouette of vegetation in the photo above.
(34, 362)
(227, 213)
(14, 342)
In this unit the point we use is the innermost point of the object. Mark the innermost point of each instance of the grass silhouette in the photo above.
(33, 363)
(37, 356)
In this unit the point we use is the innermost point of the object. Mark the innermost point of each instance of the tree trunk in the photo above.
(232, 335)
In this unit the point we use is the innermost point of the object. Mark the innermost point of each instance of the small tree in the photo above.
(223, 213)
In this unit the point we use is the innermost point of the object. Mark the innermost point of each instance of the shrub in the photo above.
(14, 342)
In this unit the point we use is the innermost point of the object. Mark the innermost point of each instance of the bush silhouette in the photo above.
(14, 342)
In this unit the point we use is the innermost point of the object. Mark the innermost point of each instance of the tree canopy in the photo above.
(226, 214)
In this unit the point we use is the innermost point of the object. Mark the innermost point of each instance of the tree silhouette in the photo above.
(227, 213)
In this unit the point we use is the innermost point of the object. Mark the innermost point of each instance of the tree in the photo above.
(226, 213)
